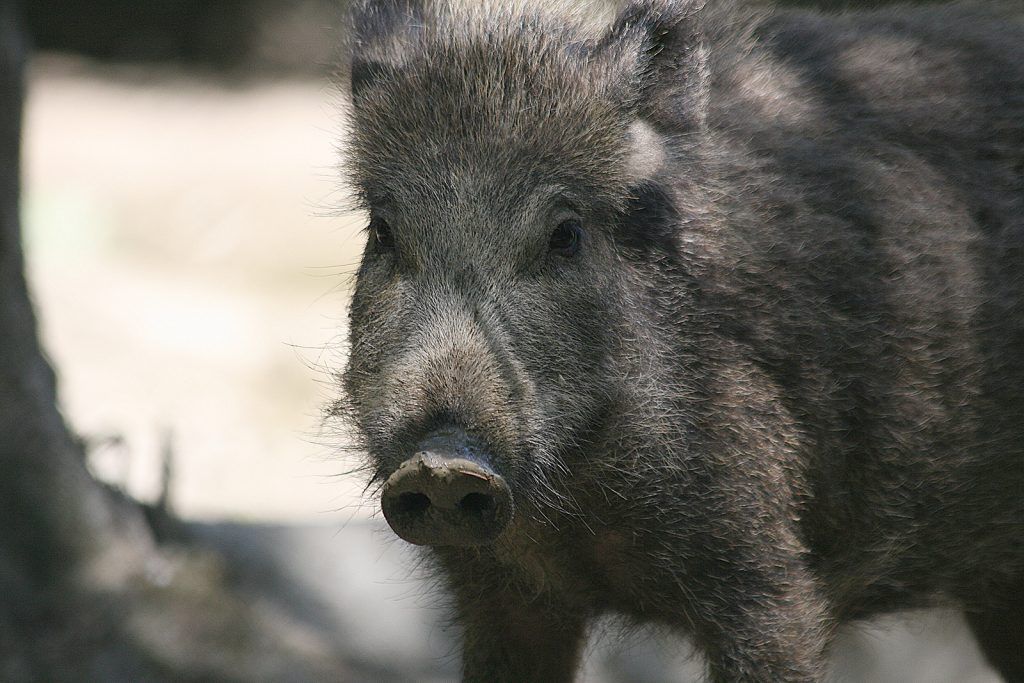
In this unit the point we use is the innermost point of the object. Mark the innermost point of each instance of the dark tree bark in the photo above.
(55, 516)
(57, 524)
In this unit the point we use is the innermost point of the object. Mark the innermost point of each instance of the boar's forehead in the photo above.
(507, 112)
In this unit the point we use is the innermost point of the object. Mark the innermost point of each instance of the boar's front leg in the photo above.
(761, 620)
(1000, 632)
(509, 637)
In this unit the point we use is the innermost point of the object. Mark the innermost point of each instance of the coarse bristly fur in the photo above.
(779, 387)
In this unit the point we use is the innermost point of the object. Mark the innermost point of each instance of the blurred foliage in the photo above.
(836, 5)
(271, 35)
(275, 35)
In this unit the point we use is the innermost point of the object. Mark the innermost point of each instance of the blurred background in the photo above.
(190, 266)
(190, 260)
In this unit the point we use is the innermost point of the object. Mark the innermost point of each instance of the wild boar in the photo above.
(705, 316)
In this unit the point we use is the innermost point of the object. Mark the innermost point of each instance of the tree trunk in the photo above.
(86, 592)
(55, 516)
(58, 526)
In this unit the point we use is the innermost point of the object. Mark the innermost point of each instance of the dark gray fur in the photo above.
(782, 385)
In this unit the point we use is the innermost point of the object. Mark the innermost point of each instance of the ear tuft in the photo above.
(383, 33)
(659, 49)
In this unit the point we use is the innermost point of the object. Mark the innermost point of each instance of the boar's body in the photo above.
(733, 304)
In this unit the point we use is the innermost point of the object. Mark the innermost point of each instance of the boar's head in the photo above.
(509, 166)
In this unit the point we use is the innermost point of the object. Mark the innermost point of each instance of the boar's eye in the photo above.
(380, 234)
(565, 240)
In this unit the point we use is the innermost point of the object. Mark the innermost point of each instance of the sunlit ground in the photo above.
(191, 270)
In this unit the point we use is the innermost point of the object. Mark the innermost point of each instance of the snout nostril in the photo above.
(436, 498)
(476, 503)
(413, 503)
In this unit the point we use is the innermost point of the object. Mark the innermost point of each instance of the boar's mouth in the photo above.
(445, 496)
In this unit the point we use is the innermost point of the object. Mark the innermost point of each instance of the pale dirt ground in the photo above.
(190, 276)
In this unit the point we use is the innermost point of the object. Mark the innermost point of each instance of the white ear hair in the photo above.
(647, 151)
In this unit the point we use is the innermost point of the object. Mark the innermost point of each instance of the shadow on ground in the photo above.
(361, 591)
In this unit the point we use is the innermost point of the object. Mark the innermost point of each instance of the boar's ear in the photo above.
(383, 32)
(658, 61)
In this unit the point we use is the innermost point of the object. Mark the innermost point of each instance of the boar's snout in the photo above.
(447, 495)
